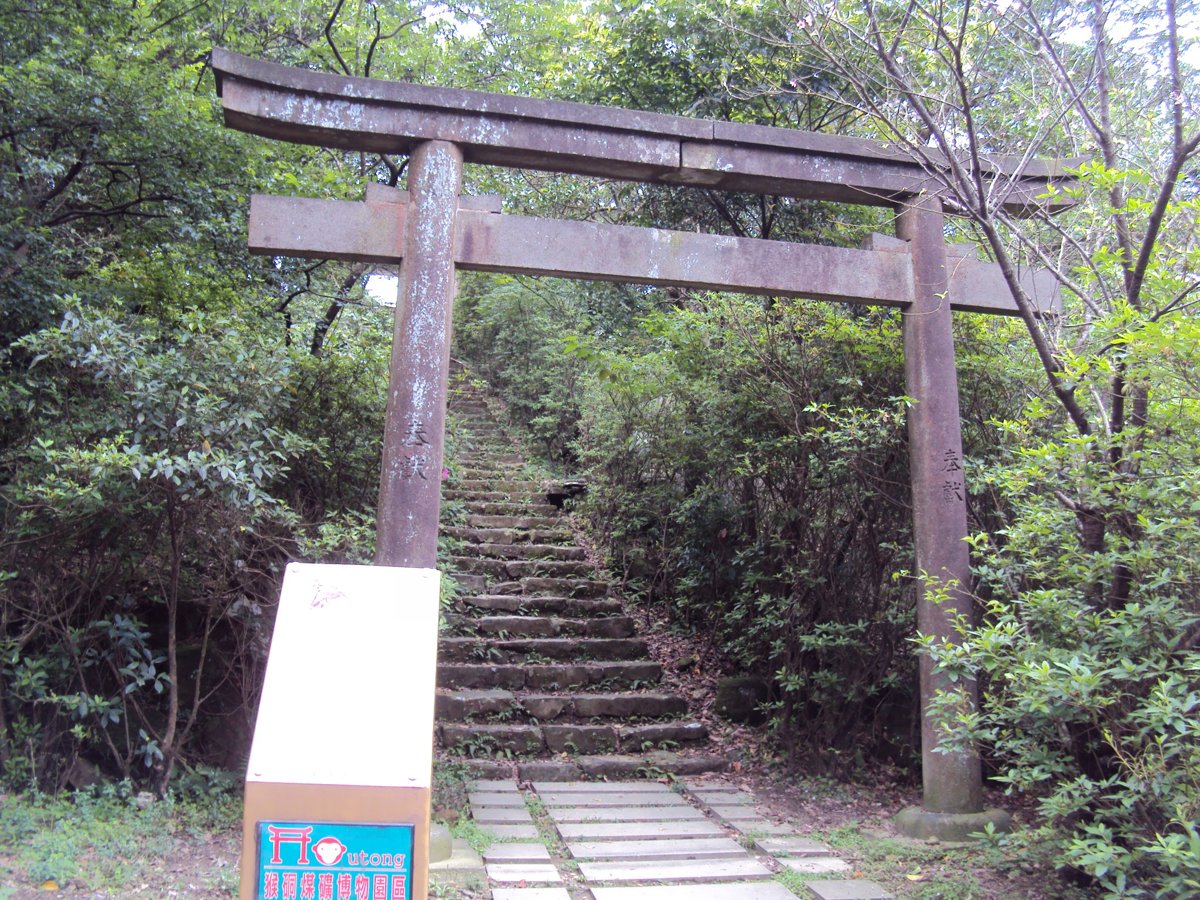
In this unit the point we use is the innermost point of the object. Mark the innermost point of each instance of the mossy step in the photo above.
(654, 764)
(589, 589)
(511, 569)
(541, 511)
(516, 603)
(559, 677)
(530, 740)
(469, 649)
(541, 626)
(509, 486)
(548, 537)
(523, 551)
(524, 522)
(460, 705)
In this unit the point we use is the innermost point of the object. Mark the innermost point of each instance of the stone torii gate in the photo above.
(432, 229)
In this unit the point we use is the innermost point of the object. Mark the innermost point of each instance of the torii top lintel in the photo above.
(310, 107)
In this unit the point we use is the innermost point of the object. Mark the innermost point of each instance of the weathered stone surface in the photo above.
(622, 705)
(514, 873)
(561, 677)
(547, 707)
(634, 814)
(491, 738)
(735, 814)
(600, 831)
(633, 737)
(731, 797)
(603, 787)
(767, 890)
(468, 648)
(792, 845)
(469, 584)
(580, 738)
(705, 870)
(495, 784)
(738, 699)
(762, 828)
(846, 889)
(494, 799)
(671, 848)
(501, 815)
(459, 705)
(610, 799)
(461, 675)
(489, 769)
(814, 865)
(550, 770)
(509, 832)
(513, 853)
(552, 893)
(564, 587)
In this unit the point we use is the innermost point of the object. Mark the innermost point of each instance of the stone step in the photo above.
(677, 848)
(474, 648)
(460, 705)
(601, 766)
(507, 486)
(538, 511)
(560, 677)
(511, 569)
(530, 551)
(749, 890)
(471, 496)
(517, 522)
(536, 603)
(555, 587)
(541, 626)
(546, 537)
(476, 739)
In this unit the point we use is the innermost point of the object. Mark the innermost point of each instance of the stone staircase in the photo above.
(540, 673)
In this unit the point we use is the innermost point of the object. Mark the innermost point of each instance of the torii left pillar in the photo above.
(414, 431)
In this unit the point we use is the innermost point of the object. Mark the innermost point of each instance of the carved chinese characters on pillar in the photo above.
(952, 487)
(415, 459)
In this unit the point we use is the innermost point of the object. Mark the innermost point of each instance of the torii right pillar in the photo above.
(952, 808)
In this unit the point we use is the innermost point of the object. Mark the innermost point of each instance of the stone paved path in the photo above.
(648, 841)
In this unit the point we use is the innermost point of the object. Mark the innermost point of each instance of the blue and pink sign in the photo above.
(334, 861)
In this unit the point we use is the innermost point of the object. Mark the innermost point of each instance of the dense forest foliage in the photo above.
(180, 419)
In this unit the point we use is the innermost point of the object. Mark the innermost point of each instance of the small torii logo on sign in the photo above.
(278, 836)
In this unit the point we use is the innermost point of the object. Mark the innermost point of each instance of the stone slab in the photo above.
(582, 831)
(500, 815)
(530, 894)
(601, 787)
(514, 873)
(493, 784)
(763, 828)
(735, 813)
(763, 890)
(510, 853)
(493, 799)
(510, 832)
(842, 889)
(725, 798)
(687, 848)
(814, 865)
(757, 891)
(675, 870)
(611, 799)
(464, 867)
(792, 845)
(625, 814)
